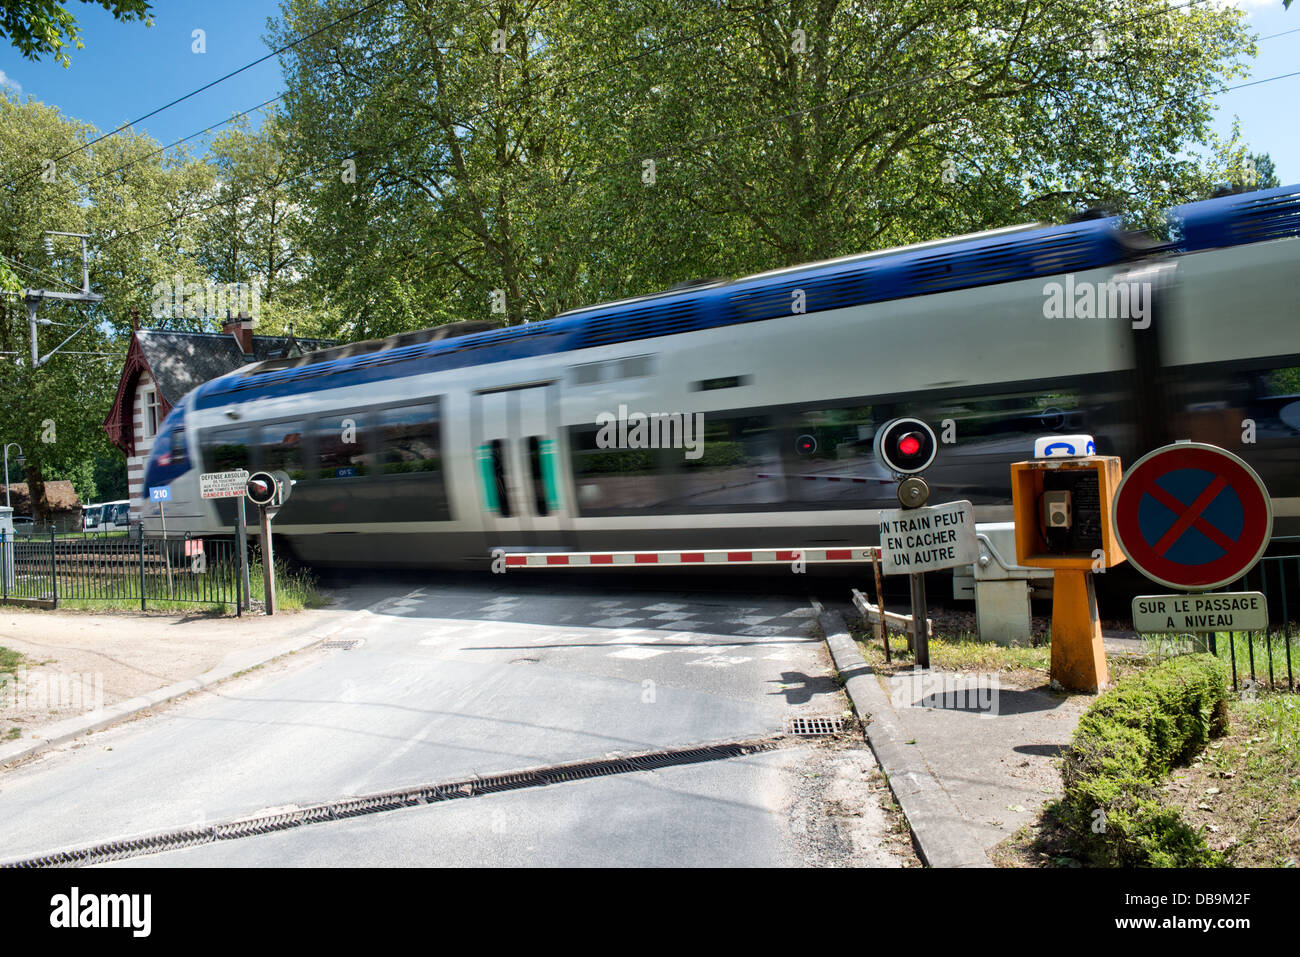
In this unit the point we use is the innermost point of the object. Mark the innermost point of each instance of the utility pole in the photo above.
(33, 296)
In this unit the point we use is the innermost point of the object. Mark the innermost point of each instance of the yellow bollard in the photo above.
(1078, 653)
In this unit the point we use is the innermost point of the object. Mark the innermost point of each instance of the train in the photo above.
(742, 412)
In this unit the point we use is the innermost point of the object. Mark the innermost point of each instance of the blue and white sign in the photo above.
(1064, 446)
(160, 493)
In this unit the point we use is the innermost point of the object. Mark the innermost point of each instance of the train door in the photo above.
(517, 453)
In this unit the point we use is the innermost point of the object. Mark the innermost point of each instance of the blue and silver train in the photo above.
(432, 449)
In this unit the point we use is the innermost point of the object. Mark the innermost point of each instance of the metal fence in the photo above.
(120, 568)
(1269, 656)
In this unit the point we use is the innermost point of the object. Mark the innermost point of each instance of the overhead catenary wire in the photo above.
(284, 48)
(207, 129)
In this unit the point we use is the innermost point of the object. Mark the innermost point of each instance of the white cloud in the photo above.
(10, 84)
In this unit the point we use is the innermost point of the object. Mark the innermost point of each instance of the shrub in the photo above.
(1125, 745)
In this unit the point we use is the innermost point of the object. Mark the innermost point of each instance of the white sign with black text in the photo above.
(927, 539)
(1212, 611)
(223, 484)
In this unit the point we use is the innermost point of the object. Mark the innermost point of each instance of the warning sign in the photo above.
(223, 484)
(1224, 611)
(927, 539)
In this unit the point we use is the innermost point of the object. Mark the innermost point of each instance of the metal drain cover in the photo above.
(346, 644)
(814, 724)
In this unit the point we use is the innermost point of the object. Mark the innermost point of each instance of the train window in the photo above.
(1020, 417)
(736, 464)
(228, 449)
(281, 448)
(339, 442)
(1278, 383)
(499, 478)
(614, 481)
(535, 473)
(586, 374)
(827, 457)
(408, 439)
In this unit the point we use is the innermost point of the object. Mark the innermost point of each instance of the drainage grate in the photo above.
(814, 724)
(346, 644)
(283, 820)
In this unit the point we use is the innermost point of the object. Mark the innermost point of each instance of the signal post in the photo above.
(268, 491)
(917, 539)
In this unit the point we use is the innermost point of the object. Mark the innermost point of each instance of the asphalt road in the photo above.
(473, 676)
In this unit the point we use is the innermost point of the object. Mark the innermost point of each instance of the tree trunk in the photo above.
(41, 511)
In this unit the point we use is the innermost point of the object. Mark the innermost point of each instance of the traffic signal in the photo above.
(261, 488)
(906, 446)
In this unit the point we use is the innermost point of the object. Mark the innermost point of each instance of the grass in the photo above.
(10, 659)
(1240, 793)
(13, 734)
(1131, 747)
(1243, 792)
(295, 589)
(1269, 654)
(961, 652)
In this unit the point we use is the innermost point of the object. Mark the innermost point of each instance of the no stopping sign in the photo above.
(1192, 516)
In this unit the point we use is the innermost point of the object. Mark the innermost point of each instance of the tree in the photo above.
(543, 156)
(111, 190)
(39, 27)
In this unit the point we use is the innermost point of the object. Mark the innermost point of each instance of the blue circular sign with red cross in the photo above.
(1192, 516)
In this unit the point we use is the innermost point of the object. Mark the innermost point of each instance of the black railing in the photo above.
(119, 568)
(1270, 656)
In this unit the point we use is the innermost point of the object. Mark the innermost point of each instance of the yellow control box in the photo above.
(1062, 511)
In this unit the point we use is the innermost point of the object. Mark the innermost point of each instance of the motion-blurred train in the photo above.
(432, 449)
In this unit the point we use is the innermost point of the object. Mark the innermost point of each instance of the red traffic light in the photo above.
(905, 446)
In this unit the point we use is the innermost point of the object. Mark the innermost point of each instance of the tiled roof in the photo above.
(60, 494)
(181, 361)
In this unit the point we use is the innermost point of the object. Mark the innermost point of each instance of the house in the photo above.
(163, 365)
(65, 507)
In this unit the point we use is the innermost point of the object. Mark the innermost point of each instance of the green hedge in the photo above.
(1124, 747)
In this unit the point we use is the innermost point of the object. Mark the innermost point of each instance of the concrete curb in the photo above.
(74, 727)
(940, 832)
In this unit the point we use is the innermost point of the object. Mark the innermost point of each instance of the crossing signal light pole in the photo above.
(907, 447)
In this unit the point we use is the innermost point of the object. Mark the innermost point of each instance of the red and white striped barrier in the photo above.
(733, 556)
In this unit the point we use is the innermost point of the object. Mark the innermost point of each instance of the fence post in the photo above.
(141, 568)
(4, 561)
(54, 567)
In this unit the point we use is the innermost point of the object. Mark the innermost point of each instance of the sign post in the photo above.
(1194, 517)
(916, 539)
(162, 494)
(268, 491)
(241, 529)
(232, 484)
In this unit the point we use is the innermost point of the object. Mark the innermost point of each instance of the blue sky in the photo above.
(127, 70)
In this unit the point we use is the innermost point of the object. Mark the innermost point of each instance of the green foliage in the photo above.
(1124, 746)
(38, 27)
(521, 169)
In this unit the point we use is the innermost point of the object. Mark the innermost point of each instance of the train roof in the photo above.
(996, 256)
(1239, 218)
